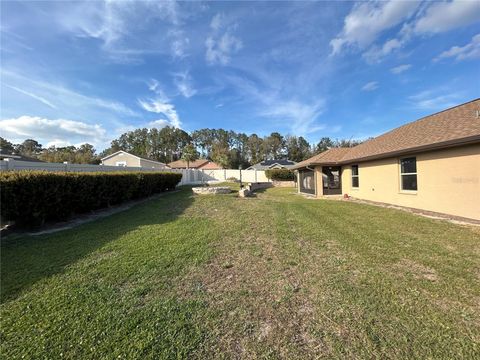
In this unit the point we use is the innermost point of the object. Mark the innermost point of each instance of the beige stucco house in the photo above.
(123, 158)
(431, 164)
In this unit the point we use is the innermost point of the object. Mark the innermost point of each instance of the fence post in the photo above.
(224, 174)
(256, 175)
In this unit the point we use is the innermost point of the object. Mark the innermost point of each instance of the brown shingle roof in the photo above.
(330, 156)
(180, 164)
(210, 165)
(455, 126)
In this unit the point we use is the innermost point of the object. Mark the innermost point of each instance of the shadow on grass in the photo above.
(26, 260)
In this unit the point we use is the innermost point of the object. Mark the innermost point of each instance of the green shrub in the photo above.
(32, 197)
(280, 174)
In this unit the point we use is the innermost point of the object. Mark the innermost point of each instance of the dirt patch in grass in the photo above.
(418, 270)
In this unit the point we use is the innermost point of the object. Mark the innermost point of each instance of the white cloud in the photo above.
(467, 52)
(36, 97)
(161, 123)
(367, 20)
(51, 132)
(220, 47)
(158, 106)
(437, 99)
(375, 53)
(65, 98)
(219, 50)
(118, 25)
(444, 16)
(370, 86)
(183, 82)
(400, 68)
(300, 116)
(217, 22)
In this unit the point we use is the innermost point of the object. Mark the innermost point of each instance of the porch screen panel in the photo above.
(307, 181)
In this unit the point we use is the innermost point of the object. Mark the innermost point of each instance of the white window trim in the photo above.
(357, 176)
(406, 191)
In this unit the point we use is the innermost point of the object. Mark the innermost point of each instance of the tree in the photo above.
(274, 145)
(255, 149)
(324, 144)
(189, 154)
(298, 148)
(6, 146)
(29, 147)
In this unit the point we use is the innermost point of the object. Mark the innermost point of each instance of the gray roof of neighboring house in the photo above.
(18, 157)
(268, 164)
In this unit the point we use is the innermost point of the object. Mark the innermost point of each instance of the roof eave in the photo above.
(430, 147)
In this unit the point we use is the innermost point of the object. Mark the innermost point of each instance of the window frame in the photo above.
(402, 174)
(121, 163)
(357, 176)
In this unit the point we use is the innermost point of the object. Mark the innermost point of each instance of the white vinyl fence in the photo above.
(189, 176)
(194, 176)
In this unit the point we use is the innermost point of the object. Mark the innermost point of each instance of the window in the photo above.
(408, 173)
(355, 181)
(121, 163)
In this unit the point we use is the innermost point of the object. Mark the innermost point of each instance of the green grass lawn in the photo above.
(275, 276)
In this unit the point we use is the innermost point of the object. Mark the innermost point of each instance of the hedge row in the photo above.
(280, 174)
(32, 197)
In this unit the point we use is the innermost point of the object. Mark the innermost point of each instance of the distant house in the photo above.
(15, 157)
(430, 164)
(197, 164)
(123, 158)
(273, 164)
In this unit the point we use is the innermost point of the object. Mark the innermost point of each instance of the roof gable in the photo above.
(135, 156)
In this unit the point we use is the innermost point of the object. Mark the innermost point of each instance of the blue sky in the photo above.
(75, 72)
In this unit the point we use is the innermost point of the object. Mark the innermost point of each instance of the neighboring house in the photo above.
(4, 156)
(122, 158)
(273, 164)
(430, 164)
(197, 164)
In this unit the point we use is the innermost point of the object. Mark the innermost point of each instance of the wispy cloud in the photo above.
(299, 116)
(36, 97)
(400, 69)
(467, 52)
(160, 104)
(183, 82)
(64, 97)
(221, 44)
(117, 24)
(370, 86)
(436, 99)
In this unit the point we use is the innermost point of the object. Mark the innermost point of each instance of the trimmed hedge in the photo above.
(32, 197)
(280, 174)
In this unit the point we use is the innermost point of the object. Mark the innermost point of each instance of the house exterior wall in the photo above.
(448, 182)
(151, 164)
(130, 160)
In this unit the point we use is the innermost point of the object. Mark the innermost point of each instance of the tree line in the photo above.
(227, 148)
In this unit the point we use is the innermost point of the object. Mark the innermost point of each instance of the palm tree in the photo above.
(189, 153)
